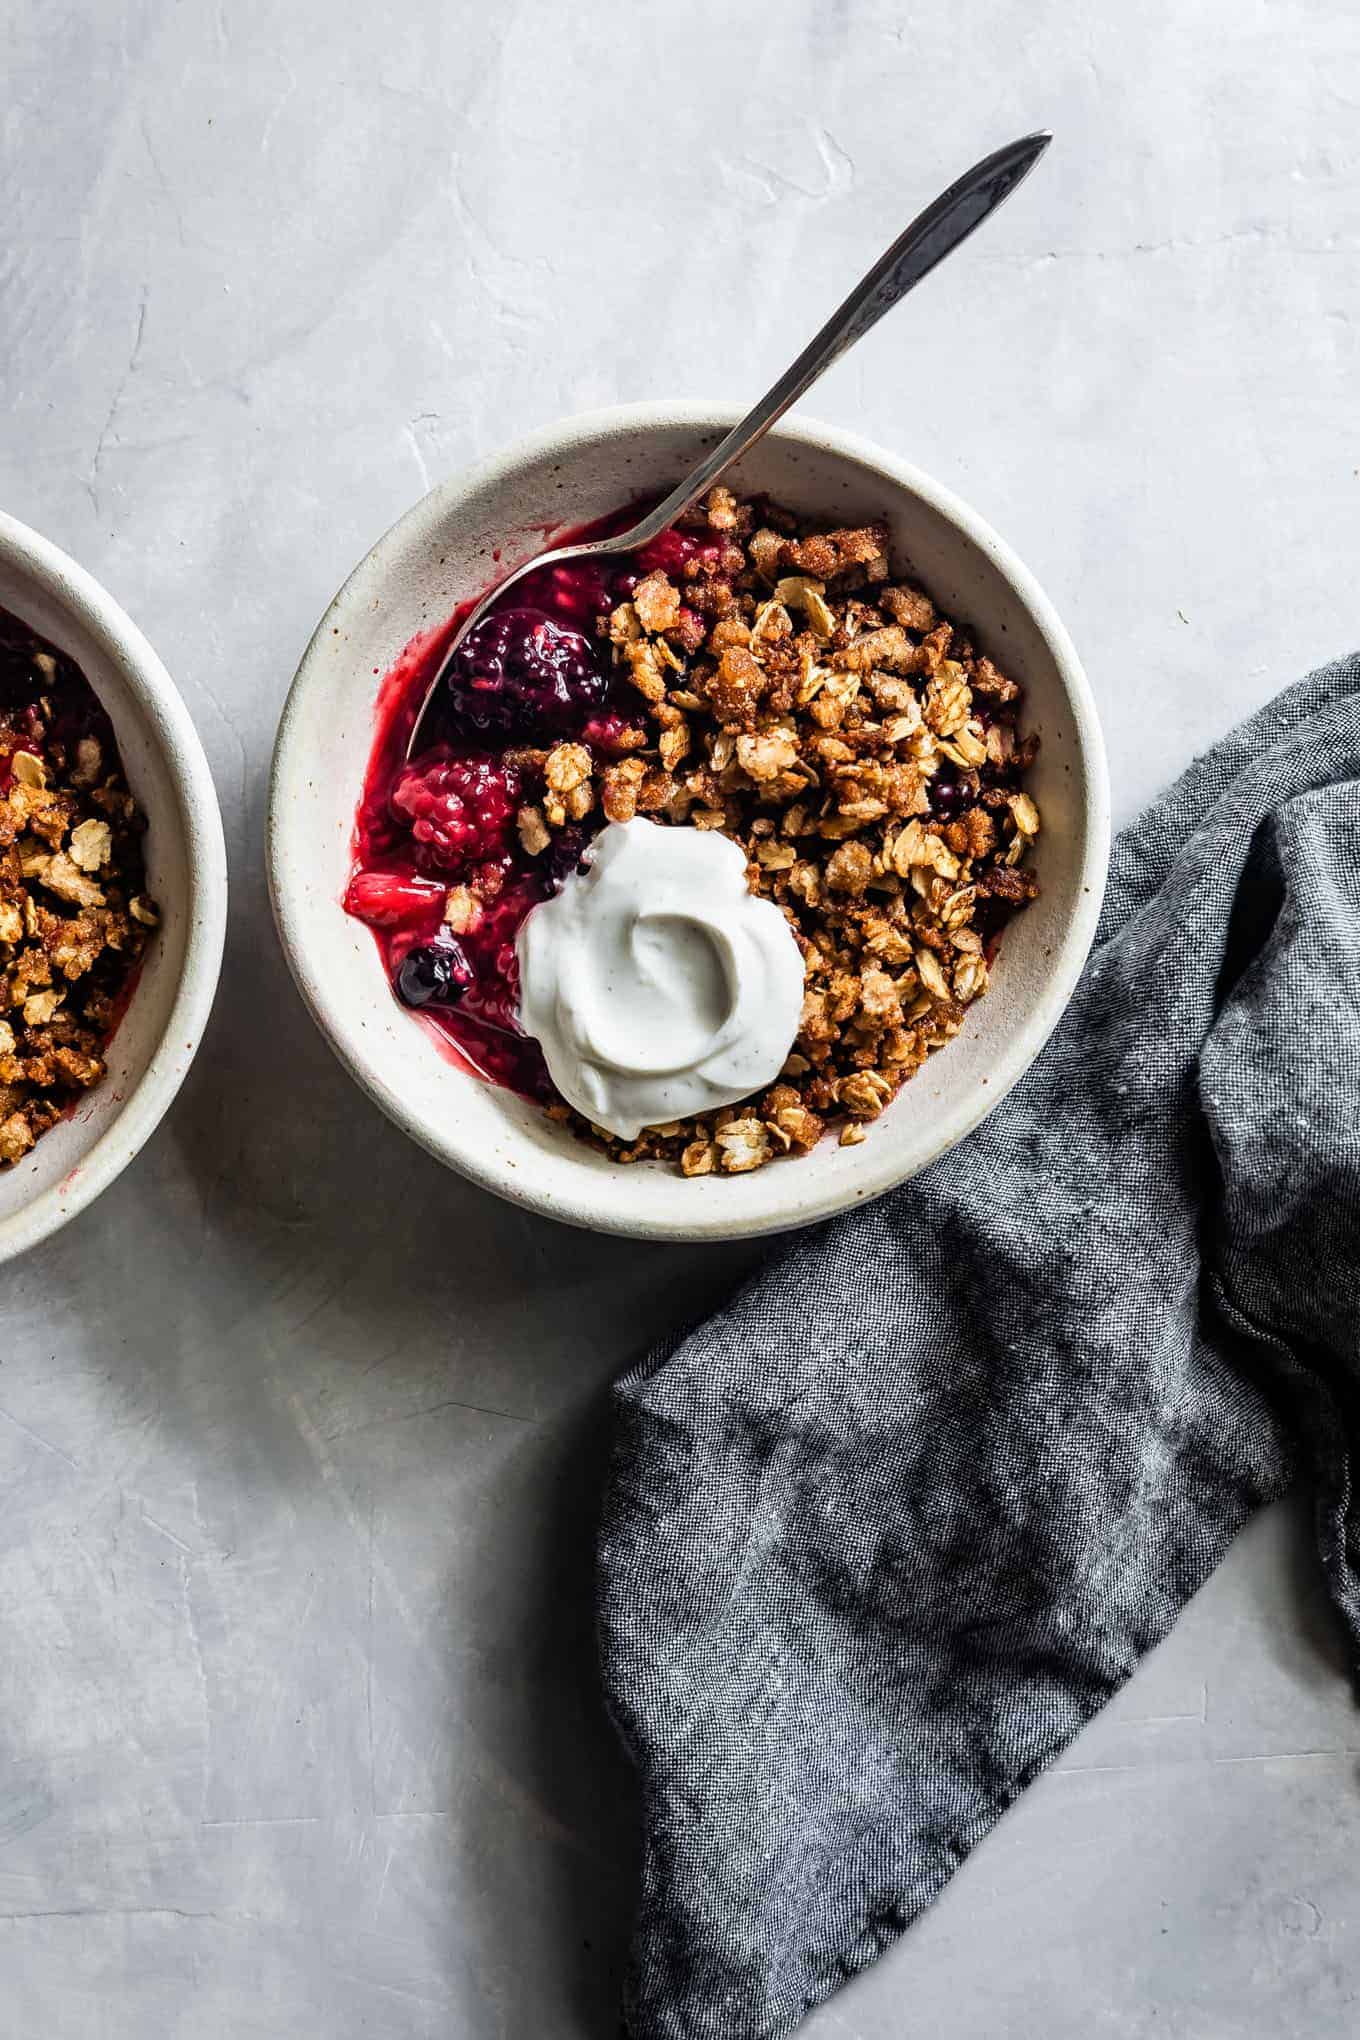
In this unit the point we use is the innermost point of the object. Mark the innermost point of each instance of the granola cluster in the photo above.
(794, 694)
(74, 915)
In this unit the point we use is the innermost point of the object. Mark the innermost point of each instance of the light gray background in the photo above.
(299, 1437)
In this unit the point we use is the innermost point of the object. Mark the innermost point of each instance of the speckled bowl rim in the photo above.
(70, 587)
(880, 1172)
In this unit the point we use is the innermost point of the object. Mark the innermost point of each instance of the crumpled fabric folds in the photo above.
(882, 1534)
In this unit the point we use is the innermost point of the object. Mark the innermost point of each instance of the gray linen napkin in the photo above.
(884, 1533)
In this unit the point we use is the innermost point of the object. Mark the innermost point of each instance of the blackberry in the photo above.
(946, 794)
(521, 673)
(563, 856)
(436, 974)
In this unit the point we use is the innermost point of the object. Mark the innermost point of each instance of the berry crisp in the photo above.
(747, 672)
(74, 913)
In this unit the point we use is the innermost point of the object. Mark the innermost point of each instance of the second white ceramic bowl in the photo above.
(186, 869)
(445, 550)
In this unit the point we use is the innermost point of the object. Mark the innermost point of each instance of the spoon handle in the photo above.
(932, 235)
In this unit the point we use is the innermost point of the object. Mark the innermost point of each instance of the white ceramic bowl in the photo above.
(186, 874)
(440, 553)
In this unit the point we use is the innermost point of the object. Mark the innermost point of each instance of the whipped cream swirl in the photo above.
(656, 985)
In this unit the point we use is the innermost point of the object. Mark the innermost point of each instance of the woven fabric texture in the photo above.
(884, 1533)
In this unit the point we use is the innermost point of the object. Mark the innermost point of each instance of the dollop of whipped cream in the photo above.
(656, 985)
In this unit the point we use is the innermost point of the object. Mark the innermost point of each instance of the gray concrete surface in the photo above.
(299, 1437)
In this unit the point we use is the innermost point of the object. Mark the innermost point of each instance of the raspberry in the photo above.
(580, 591)
(690, 629)
(493, 999)
(495, 1002)
(387, 899)
(671, 551)
(458, 808)
(522, 673)
(614, 734)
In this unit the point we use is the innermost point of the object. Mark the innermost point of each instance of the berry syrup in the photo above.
(534, 672)
(44, 708)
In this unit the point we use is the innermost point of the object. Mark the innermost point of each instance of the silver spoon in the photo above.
(931, 236)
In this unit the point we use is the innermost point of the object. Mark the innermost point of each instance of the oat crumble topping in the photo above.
(867, 759)
(74, 913)
(746, 673)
